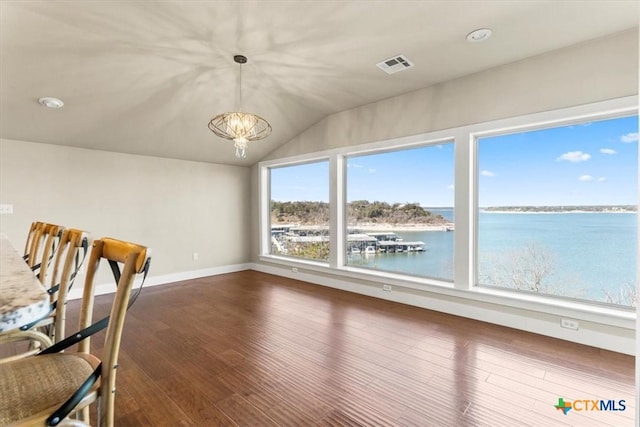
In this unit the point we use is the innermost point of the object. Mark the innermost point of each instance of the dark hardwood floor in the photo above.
(252, 349)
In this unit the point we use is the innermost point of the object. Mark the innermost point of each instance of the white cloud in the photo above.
(607, 151)
(574, 157)
(354, 165)
(451, 187)
(372, 170)
(630, 137)
(585, 178)
(602, 179)
(487, 173)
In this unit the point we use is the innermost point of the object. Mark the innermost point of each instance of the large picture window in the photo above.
(558, 211)
(546, 208)
(400, 211)
(299, 210)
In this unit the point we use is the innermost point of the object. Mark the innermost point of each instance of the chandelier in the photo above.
(239, 126)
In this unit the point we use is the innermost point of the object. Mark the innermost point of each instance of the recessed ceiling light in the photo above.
(51, 102)
(479, 35)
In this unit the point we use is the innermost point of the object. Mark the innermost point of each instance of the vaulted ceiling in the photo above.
(146, 77)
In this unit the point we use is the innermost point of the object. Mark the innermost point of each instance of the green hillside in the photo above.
(359, 211)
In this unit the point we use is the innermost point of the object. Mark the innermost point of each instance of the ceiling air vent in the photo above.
(395, 64)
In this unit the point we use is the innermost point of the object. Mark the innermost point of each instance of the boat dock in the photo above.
(358, 242)
(393, 247)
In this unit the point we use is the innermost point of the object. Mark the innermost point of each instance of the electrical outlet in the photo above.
(386, 288)
(195, 256)
(294, 270)
(6, 209)
(570, 324)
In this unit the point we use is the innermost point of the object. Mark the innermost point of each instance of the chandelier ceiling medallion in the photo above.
(238, 126)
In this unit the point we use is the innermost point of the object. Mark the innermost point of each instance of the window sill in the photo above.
(583, 311)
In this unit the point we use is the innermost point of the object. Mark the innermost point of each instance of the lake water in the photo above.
(580, 254)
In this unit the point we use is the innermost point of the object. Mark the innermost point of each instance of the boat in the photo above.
(370, 250)
(355, 250)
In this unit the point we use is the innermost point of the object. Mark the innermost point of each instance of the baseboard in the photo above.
(107, 288)
(514, 318)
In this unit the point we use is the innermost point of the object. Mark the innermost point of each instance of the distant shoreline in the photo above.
(378, 227)
(561, 209)
(554, 212)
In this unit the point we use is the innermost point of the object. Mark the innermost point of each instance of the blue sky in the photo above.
(308, 182)
(587, 164)
(423, 175)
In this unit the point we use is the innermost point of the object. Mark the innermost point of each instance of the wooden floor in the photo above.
(252, 349)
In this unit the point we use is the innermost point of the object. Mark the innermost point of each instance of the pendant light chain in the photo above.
(240, 89)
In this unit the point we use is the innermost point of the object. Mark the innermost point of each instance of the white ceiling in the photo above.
(146, 77)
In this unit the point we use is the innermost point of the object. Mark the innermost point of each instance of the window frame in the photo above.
(471, 298)
(543, 125)
(344, 264)
(265, 209)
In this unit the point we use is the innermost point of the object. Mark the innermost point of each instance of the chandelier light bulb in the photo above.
(241, 147)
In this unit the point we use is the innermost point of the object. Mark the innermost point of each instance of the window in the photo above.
(558, 211)
(400, 211)
(546, 208)
(299, 210)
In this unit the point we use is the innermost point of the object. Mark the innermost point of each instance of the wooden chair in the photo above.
(70, 254)
(41, 246)
(45, 389)
(74, 246)
(42, 242)
(42, 333)
(30, 238)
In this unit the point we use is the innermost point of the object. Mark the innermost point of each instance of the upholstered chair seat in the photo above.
(58, 376)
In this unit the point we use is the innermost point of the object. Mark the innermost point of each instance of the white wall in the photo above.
(175, 207)
(598, 70)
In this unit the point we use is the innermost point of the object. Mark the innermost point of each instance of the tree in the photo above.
(319, 251)
(627, 295)
(358, 211)
(531, 268)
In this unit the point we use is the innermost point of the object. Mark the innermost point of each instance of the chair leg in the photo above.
(106, 409)
(73, 423)
(82, 415)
